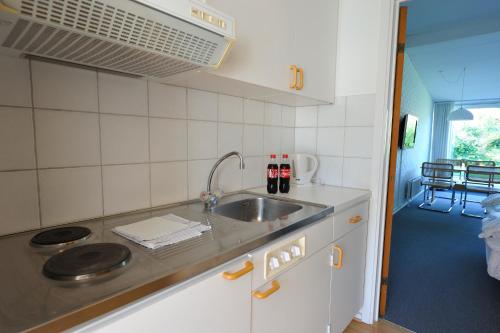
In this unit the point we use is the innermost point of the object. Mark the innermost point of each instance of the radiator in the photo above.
(413, 187)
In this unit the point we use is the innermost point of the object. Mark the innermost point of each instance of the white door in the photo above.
(302, 301)
(214, 304)
(348, 277)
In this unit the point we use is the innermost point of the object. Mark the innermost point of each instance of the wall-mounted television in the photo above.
(408, 132)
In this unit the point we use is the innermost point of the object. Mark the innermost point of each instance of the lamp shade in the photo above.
(461, 114)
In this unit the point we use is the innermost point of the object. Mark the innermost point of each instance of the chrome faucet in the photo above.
(211, 198)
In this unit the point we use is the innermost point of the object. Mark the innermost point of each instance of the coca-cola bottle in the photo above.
(272, 175)
(285, 174)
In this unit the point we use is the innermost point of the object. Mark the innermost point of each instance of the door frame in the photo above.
(389, 20)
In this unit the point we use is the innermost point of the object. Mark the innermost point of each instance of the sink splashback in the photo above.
(83, 144)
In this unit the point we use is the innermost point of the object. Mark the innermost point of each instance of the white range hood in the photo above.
(148, 38)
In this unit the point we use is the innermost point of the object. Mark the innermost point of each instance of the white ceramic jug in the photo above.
(305, 166)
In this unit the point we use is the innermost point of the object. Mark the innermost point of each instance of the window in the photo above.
(477, 139)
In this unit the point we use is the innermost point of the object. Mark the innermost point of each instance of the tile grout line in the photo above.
(343, 144)
(100, 140)
(37, 172)
(186, 107)
(149, 145)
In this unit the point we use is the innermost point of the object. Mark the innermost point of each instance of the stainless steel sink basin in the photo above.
(256, 209)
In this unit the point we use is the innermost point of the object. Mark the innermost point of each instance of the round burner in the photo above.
(60, 236)
(86, 261)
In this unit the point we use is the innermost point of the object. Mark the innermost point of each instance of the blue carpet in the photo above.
(438, 280)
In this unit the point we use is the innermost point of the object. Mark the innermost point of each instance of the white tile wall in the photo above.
(125, 187)
(122, 95)
(305, 140)
(202, 105)
(253, 112)
(168, 182)
(15, 85)
(198, 172)
(63, 88)
(167, 101)
(168, 139)
(272, 115)
(306, 116)
(19, 209)
(230, 109)
(272, 140)
(341, 136)
(253, 140)
(124, 139)
(17, 144)
(67, 138)
(230, 138)
(202, 140)
(107, 144)
(70, 194)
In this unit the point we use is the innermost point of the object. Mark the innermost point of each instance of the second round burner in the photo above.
(87, 261)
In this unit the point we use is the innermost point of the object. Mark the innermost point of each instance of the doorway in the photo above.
(437, 261)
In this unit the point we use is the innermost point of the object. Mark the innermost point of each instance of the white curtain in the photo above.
(441, 130)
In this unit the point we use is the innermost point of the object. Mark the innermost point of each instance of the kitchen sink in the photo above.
(256, 209)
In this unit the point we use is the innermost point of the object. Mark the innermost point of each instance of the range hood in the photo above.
(148, 38)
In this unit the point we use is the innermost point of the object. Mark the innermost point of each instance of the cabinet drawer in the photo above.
(349, 219)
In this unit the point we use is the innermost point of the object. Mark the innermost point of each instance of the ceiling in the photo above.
(445, 36)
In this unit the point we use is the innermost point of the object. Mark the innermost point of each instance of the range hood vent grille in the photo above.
(99, 34)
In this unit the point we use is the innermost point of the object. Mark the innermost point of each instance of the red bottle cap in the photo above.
(273, 155)
(285, 155)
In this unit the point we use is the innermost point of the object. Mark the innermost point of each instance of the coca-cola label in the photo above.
(285, 173)
(272, 173)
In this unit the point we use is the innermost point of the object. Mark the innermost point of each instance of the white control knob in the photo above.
(296, 251)
(274, 263)
(285, 256)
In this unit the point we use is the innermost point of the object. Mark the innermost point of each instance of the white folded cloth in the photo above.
(156, 232)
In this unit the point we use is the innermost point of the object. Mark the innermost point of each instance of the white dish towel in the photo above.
(156, 232)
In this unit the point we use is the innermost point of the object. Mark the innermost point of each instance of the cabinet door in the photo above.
(213, 304)
(348, 280)
(301, 304)
(262, 52)
(315, 45)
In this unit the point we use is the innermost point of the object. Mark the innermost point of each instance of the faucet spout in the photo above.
(208, 197)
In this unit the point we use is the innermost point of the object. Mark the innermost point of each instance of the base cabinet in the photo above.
(214, 304)
(302, 302)
(348, 261)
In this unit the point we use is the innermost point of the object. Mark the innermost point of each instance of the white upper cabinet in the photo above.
(272, 36)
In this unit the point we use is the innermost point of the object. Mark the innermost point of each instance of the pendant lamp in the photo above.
(461, 113)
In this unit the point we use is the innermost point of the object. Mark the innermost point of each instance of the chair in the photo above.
(455, 163)
(437, 176)
(480, 163)
(480, 179)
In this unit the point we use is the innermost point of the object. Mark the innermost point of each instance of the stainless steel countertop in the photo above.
(30, 301)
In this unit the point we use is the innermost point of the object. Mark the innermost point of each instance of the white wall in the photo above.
(78, 144)
(417, 101)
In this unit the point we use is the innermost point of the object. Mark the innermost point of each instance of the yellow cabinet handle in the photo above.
(340, 251)
(235, 275)
(293, 84)
(300, 84)
(275, 286)
(356, 219)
